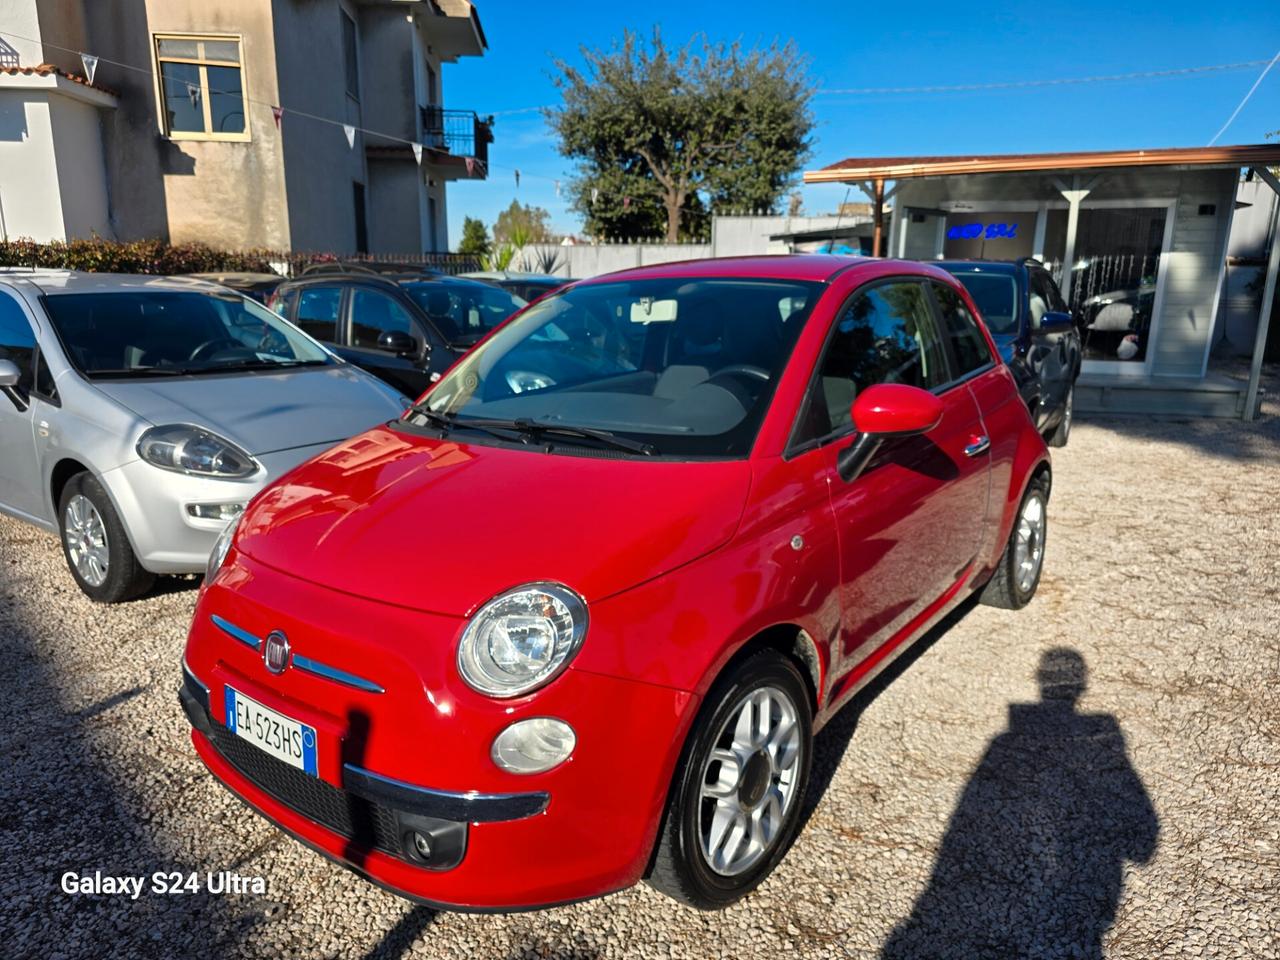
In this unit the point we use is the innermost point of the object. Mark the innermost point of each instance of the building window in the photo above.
(349, 56)
(202, 88)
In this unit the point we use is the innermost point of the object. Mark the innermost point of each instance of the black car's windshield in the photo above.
(996, 297)
(463, 312)
(165, 332)
(682, 367)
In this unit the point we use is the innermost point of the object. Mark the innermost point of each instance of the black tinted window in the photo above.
(44, 379)
(17, 341)
(883, 335)
(463, 312)
(996, 297)
(1048, 291)
(373, 314)
(968, 344)
(318, 311)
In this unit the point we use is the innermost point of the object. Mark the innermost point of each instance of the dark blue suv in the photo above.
(1037, 336)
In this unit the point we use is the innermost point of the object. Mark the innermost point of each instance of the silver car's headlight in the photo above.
(522, 639)
(220, 548)
(187, 449)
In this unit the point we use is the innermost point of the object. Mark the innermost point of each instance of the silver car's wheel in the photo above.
(96, 545)
(86, 538)
(1028, 544)
(749, 781)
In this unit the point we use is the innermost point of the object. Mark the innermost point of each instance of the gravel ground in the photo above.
(960, 814)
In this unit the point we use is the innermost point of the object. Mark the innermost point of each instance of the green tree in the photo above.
(529, 223)
(681, 131)
(475, 238)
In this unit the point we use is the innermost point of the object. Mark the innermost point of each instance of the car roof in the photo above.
(56, 282)
(382, 279)
(977, 264)
(785, 266)
(512, 275)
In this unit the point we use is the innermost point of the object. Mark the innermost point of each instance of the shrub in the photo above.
(137, 256)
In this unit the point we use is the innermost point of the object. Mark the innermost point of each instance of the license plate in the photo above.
(266, 729)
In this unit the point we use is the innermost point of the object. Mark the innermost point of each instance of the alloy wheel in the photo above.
(1028, 550)
(86, 537)
(749, 781)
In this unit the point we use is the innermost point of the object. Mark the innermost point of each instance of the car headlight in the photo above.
(522, 639)
(186, 449)
(220, 548)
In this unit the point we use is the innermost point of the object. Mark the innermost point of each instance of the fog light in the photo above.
(534, 745)
(215, 511)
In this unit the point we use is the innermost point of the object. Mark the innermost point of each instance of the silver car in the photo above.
(140, 414)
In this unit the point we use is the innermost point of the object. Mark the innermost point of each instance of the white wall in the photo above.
(30, 203)
(81, 168)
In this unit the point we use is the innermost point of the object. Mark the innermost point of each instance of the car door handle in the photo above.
(977, 445)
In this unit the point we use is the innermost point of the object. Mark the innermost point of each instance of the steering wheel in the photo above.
(746, 369)
(210, 347)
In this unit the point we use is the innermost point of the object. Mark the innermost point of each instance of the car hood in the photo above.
(441, 526)
(264, 412)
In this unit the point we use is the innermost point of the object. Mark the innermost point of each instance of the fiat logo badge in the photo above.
(275, 652)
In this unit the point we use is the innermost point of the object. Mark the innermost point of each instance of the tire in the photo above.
(95, 545)
(1010, 587)
(681, 869)
(1063, 430)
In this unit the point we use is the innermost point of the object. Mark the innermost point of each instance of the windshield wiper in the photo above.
(531, 429)
(138, 372)
(261, 365)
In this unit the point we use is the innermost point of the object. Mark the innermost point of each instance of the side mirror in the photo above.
(399, 343)
(884, 411)
(1055, 322)
(9, 373)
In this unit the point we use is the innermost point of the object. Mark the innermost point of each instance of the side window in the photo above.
(1048, 290)
(373, 314)
(44, 385)
(882, 335)
(1039, 304)
(282, 303)
(968, 345)
(17, 340)
(318, 312)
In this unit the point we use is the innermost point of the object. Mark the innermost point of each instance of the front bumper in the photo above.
(583, 829)
(152, 504)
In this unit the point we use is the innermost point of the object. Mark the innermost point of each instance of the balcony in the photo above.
(457, 134)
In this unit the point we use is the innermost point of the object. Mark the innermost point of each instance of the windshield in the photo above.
(996, 297)
(686, 367)
(174, 332)
(463, 312)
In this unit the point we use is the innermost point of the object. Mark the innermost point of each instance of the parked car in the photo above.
(526, 286)
(529, 646)
(390, 268)
(405, 329)
(259, 286)
(140, 414)
(1035, 333)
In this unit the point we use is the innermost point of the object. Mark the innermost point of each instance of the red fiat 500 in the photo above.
(572, 622)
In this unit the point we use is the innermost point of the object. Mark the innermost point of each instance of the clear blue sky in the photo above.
(896, 45)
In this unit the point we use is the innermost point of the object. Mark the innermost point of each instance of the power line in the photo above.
(1060, 81)
(1236, 112)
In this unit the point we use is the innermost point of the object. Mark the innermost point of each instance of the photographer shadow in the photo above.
(1032, 864)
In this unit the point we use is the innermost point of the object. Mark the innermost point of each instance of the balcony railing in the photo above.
(458, 132)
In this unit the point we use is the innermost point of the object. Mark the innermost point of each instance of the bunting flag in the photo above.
(517, 179)
(471, 166)
(193, 92)
(626, 203)
(276, 114)
(350, 131)
(90, 64)
(557, 189)
(595, 195)
(417, 153)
